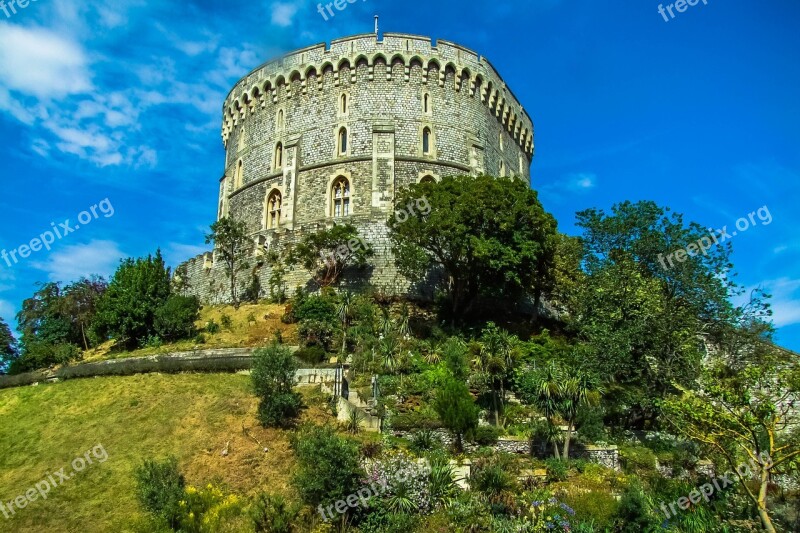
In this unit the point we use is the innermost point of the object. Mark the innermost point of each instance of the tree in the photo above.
(647, 326)
(8, 347)
(745, 410)
(82, 298)
(495, 360)
(49, 327)
(327, 253)
(542, 388)
(126, 312)
(273, 373)
(487, 235)
(233, 246)
(344, 311)
(456, 408)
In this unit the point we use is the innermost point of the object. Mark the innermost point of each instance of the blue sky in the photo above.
(122, 100)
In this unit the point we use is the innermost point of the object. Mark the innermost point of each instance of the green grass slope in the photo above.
(192, 416)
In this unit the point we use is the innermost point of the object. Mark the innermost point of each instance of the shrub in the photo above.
(160, 489)
(205, 510)
(271, 513)
(594, 506)
(557, 469)
(328, 467)
(273, 377)
(212, 327)
(176, 317)
(485, 435)
(385, 521)
(638, 459)
(424, 440)
(492, 476)
(312, 355)
(226, 322)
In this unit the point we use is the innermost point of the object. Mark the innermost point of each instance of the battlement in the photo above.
(469, 70)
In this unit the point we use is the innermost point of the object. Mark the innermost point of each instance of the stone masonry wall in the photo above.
(295, 103)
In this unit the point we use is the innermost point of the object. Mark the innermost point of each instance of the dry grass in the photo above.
(243, 332)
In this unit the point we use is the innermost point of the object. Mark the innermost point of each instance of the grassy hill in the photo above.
(191, 416)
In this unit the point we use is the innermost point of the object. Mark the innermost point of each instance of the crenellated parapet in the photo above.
(397, 57)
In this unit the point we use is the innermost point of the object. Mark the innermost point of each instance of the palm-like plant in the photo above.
(542, 388)
(495, 359)
(354, 420)
(345, 303)
(389, 348)
(401, 499)
(442, 487)
(433, 354)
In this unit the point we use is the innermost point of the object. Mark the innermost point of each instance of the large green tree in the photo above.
(647, 323)
(127, 310)
(8, 347)
(54, 322)
(233, 246)
(487, 236)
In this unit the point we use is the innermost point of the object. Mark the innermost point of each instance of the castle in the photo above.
(329, 134)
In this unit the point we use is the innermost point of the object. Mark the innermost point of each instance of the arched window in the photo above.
(427, 179)
(279, 156)
(340, 197)
(237, 180)
(502, 169)
(240, 147)
(342, 143)
(343, 103)
(426, 141)
(426, 103)
(280, 121)
(273, 209)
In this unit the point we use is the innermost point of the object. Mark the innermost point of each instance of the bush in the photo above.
(492, 476)
(312, 355)
(557, 470)
(638, 459)
(212, 327)
(273, 378)
(328, 467)
(160, 489)
(385, 521)
(175, 319)
(226, 322)
(485, 435)
(424, 440)
(206, 510)
(271, 513)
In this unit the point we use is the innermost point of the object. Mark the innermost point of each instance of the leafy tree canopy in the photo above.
(488, 236)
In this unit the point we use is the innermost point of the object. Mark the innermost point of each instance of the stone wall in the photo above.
(394, 89)
(607, 456)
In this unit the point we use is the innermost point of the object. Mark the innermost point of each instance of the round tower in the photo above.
(329, 134)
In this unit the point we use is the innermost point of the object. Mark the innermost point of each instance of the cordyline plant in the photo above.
(746, 410)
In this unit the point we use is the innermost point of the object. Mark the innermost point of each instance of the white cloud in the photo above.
(283, 13)
(39, 62)
(785, 300)
(71, 262)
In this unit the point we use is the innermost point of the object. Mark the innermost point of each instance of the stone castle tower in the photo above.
(329, 134)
